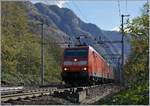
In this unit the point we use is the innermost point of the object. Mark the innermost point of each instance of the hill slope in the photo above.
(21, 48)
(69, 26)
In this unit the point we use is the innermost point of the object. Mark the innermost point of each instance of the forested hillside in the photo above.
(21, 49)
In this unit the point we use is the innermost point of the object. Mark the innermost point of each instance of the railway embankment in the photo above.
(64, 96)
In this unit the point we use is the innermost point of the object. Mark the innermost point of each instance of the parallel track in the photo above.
(45, 91)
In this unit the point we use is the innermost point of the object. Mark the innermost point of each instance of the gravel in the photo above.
(44, 100)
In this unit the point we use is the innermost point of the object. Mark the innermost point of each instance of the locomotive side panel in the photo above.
(99, 63)
(99, 67)
(90, 64)
(95, 66)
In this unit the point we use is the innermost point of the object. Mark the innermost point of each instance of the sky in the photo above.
(103, 13)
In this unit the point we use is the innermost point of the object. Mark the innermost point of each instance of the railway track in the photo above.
(9, 90)
(25, 93)
(73, 94)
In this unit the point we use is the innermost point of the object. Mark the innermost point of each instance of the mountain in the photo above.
(117, 36)
(65, 26)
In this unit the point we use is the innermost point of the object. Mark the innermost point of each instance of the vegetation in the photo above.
(132, 96)
(136, 68)
(21, 50)
(21, 55)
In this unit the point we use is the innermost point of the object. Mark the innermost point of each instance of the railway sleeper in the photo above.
(75, 97)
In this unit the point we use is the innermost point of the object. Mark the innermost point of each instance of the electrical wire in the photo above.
(78, 9)
(119, 8)
(126, 7)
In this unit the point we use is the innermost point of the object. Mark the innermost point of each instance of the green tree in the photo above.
(14, 18)
(137, 66)
(21, 49)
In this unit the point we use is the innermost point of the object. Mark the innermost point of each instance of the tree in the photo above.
(137, 66)
(21, 49)
(136, 69)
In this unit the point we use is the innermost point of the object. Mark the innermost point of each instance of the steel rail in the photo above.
(46, 91)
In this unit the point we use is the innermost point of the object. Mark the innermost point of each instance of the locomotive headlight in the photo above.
(65, 69)
(75, 60)
(84, 68)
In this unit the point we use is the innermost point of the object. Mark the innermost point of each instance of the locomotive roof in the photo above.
(90, 47)
(78, 47)
(97, 53)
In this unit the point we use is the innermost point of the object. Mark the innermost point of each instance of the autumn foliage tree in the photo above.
(137, 66)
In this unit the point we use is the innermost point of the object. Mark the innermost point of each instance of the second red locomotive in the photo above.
(84, 65)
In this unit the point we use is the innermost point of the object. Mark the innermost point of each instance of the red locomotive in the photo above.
(83, 65)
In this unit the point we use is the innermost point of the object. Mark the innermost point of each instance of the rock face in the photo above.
(63, 25)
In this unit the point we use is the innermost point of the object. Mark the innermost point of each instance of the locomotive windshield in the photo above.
(80, 52)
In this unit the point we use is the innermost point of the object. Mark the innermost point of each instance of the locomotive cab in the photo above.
(75, 65)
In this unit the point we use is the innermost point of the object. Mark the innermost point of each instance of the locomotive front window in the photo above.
(82, 62)
(76, 53)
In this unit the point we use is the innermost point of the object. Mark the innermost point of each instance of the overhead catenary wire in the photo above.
(119, 8)
(78, 9)
(126, 7)
(76, 6)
